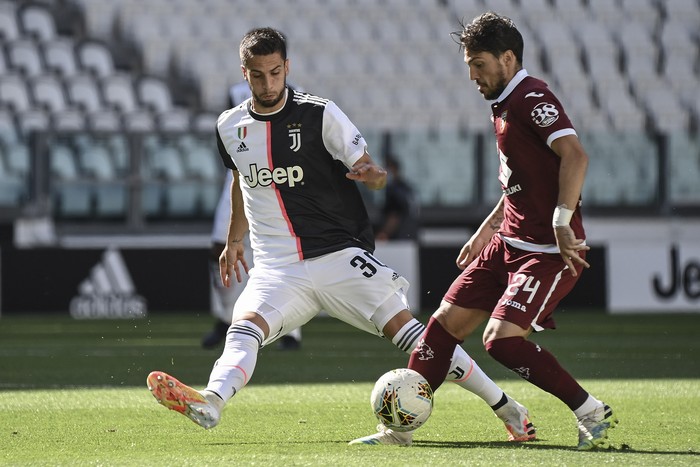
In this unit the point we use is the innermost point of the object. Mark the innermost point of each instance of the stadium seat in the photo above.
(201, 159)
(8, 128)
(572, 12)
(557, 41)
(609, 13)
(95, 162)
(165, 172)
(100, 16)
(457, 182)
(644, 12)
(4, 67)
(118, 146)
(155, 93)
(639, 50)
(665, 110)
(12, 187)
(24, 57)
(17, 159)
(679, 73)
(83, 91)
(37, 21)
(203, 164)
(96, 57)
(204, 122)
(622, 110)
(594, 38)
(49, 93)
(118, 91)
(684, 169)
(157, 56)
(59, 56)
(686, 12)
(9, 29)
(71, 195)
(14, 93)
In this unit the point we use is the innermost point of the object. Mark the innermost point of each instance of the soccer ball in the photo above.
(402, 399)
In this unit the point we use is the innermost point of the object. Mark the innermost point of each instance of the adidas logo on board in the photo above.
(108, 292)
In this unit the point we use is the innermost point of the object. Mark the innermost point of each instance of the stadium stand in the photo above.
(627, 71)
(37, 22)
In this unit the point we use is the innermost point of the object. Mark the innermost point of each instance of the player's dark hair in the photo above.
(492, 33)
(262, 41)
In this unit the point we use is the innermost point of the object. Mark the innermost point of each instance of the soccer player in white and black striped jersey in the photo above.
(224, 298)
(296, 160)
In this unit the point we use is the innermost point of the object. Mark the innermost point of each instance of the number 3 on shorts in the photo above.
(367, 269)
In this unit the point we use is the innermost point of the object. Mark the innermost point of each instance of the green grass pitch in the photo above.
(74, 393)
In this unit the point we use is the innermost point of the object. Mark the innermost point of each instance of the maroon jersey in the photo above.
(527, 118)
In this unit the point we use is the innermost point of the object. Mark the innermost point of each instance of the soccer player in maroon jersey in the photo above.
(296, 160)
(530, 251)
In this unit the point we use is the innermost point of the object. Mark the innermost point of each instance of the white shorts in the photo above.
(350, 285)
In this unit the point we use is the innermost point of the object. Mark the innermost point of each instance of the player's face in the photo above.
(267, 78)
(489, 73)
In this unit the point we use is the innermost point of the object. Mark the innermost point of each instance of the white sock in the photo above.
(235, 367)
(464, 371)
(407, 337)
(589, 406)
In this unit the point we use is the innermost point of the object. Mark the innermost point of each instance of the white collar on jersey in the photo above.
(519, 76)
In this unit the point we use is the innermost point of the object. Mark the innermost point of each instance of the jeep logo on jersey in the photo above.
(278, 175)
(295, 134)
(544, 114)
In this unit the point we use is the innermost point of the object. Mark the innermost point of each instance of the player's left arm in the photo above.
(365, 170)
(572, 173)
(344, 142)
(233, 252)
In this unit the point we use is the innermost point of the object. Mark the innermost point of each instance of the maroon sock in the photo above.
(534, 364)
(433, 354)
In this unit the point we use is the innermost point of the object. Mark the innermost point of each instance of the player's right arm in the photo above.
(238, 226)
(482, 236)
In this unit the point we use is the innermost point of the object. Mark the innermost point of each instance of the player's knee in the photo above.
(258, 322)
(504, 348)
(396, 323)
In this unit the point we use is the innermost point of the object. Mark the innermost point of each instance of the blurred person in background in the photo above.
(400, 210)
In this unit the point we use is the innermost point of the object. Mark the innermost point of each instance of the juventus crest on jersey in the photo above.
(292, 167)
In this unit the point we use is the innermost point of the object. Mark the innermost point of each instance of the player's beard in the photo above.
(499, 87)
(269, 103)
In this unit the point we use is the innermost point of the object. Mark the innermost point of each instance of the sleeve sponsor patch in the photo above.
(544, 114)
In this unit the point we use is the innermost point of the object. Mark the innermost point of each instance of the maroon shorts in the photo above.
(515, 285)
